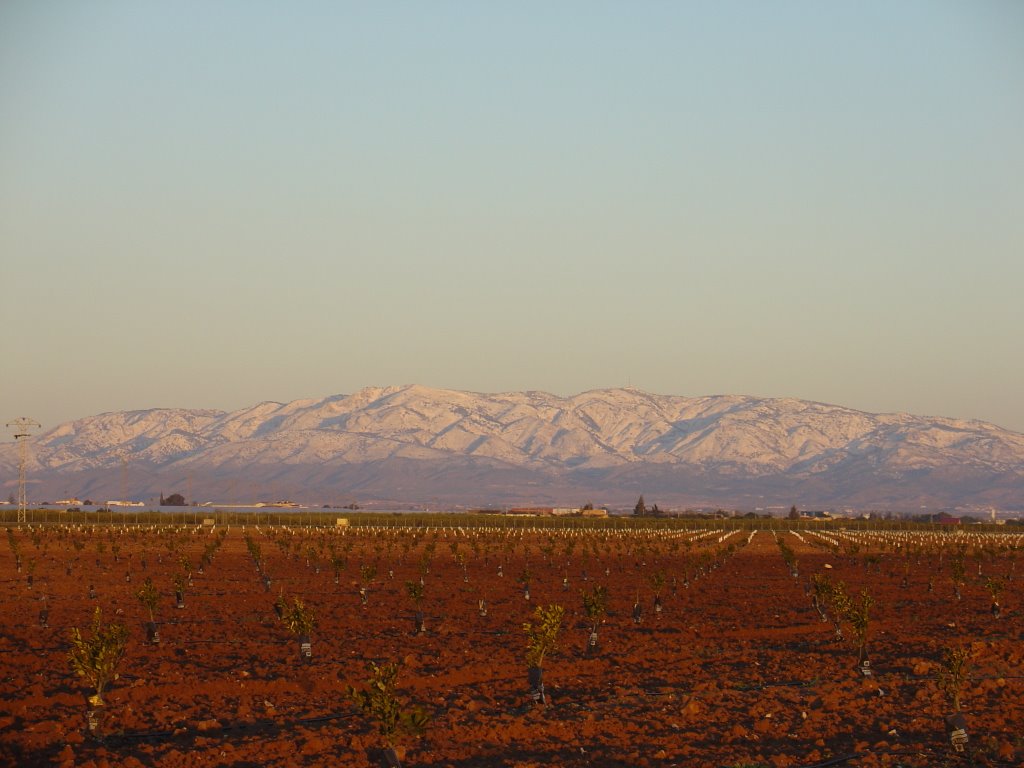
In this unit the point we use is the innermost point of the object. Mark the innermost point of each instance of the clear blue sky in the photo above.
(212, 204)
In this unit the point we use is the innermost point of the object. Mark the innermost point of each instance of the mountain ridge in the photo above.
(410, 443)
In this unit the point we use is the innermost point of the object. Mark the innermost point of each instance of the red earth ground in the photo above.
(737, 670)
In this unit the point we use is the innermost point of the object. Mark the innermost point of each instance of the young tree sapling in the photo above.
(541, 639)
(595, 604)
(378, 702)
(96, 660)
(300, 619)
(951, 678)
(149, 597)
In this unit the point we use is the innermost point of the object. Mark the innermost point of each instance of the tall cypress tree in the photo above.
(640, 509)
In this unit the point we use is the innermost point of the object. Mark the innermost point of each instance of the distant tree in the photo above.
(640, 508)
(655, 510)
(588, 505)
(794, 513)
(174, 500)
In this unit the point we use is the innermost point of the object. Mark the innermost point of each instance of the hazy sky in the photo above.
(212, 204)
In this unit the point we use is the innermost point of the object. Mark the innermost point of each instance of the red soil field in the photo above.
(737, 670)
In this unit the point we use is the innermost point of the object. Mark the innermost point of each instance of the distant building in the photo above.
(551, 512)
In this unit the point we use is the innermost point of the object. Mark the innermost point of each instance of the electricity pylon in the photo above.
(22, 431)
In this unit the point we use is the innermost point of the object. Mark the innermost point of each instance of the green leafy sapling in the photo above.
(657, 582)
(858, 614)
(541, 639)
(995, 586)
(595, 605)
(956, 661)
(149, 597)
(379, 702)
(180, 582)
(299, 618)
(525, 578)
(96, 658)
(415, 591)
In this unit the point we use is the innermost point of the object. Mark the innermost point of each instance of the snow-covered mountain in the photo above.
(413, 443)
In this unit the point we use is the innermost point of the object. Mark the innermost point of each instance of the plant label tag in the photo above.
(958, 739)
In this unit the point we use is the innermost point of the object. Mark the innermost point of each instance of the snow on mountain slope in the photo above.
(595, 433)
(155, 435)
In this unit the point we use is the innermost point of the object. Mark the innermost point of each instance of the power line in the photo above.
(22, 427)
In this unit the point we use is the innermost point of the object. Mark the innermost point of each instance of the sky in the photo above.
(209, 205)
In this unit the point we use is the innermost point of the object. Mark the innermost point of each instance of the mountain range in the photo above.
(416, 445)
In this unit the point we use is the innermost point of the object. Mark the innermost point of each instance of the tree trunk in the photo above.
(956, 727)
(535, 678)
(94, 711)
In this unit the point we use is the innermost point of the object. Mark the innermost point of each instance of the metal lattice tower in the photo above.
(22, 427)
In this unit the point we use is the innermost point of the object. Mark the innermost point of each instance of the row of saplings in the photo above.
(829, 596)
(995, 585)
(97, 657)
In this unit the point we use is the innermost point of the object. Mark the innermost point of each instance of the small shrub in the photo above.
(657, 581)
(595, 604)
(995, 586)
(858, 614)
(542, 636)
(956, 660)
(378, 702)
(367, 573)
(97, 658)
(299, 618)
(415, 592)
(149, 597)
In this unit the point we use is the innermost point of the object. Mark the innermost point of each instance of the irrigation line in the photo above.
(604, 698)
(818, 682)
(226, 729)
(834, 761)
